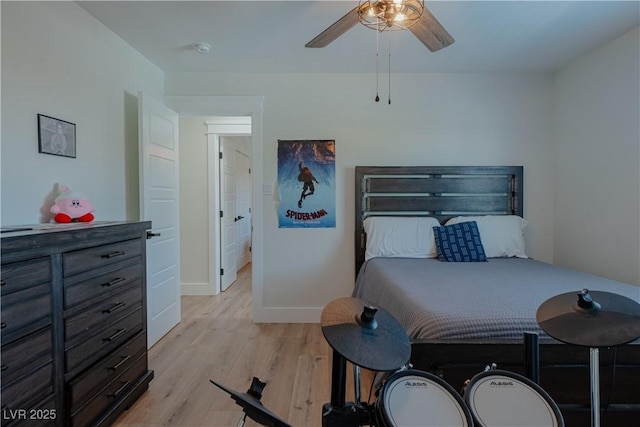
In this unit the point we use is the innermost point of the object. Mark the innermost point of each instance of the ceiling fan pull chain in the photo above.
(389, 70)
(377, 55)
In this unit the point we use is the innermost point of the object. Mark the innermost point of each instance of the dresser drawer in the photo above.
(108, 396)
(106, 281)
(26, 354)
(109, 309)
(28, 309)
(29, 389)
(99, 256)
(95, 379)
(104, 340)
(21, 275)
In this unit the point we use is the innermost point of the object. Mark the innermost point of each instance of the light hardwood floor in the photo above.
(216, 339)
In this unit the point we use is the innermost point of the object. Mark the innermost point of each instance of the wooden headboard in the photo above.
(438, 191)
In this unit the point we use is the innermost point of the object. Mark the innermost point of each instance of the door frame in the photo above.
(235, 106)
(218, 127)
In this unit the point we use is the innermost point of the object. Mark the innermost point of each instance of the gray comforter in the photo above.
(497, 299)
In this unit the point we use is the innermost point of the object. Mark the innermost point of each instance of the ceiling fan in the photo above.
(389, 15)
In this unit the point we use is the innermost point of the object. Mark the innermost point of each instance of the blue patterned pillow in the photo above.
(459, 242)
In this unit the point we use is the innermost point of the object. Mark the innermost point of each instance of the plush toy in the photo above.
(71, 206)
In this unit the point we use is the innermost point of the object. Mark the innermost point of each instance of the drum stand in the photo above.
(368, 337)
(338, 413)
(613, 321)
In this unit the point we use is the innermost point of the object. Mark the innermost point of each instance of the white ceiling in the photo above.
(269, 36)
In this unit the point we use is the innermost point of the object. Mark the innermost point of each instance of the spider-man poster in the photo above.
(307, 184)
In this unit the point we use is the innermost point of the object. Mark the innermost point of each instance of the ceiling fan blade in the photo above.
(430, 32)
(336, 29)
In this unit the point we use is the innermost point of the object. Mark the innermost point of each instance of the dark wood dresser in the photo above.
(73, 319)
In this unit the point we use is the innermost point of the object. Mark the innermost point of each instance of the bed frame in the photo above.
(447, 191)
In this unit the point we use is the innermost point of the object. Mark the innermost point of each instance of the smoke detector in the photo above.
(202, 47)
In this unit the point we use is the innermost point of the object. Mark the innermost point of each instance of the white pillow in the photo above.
(501, 235)
(407, 237)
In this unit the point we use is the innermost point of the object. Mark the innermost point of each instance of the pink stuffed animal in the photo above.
(71, 206)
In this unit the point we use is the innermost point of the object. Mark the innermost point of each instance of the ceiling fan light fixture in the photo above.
(390, 15)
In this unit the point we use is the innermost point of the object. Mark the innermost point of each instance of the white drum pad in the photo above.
(415, 401)
(502, 401)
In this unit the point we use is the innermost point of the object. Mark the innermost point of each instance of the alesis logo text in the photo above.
(416, 384)
(501, 384)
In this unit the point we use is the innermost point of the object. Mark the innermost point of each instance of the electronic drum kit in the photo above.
(373, 339)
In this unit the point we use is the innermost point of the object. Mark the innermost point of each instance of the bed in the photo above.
(462, 316)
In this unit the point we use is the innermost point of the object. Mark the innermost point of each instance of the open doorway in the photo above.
(232, 106)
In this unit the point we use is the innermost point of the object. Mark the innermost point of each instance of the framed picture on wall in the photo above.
(307, 183)
(55, 136)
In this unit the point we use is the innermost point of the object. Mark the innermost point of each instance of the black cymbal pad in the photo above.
(611, 320)
(366, 336)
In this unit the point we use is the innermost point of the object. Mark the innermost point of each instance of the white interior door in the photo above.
(159, 203)
(227, 221)
(243, 208)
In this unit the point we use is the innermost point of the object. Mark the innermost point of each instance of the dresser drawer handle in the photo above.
(3, 282)
(114, 307)
(114, 281)
(3, 325)
(4, 367)
(124, 386)
(113, 254)
(117, 365)
(116, 335)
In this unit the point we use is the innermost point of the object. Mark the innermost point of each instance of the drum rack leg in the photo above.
(338, 413)
(594, 361)
(356, 384)
(338, 380)
(532, 357)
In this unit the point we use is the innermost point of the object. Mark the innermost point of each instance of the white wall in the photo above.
(456, 119)
(194, 207)
(597, 157)
(59, 61)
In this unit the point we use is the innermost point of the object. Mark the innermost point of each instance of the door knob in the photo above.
(150, 235)
(238, 218)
